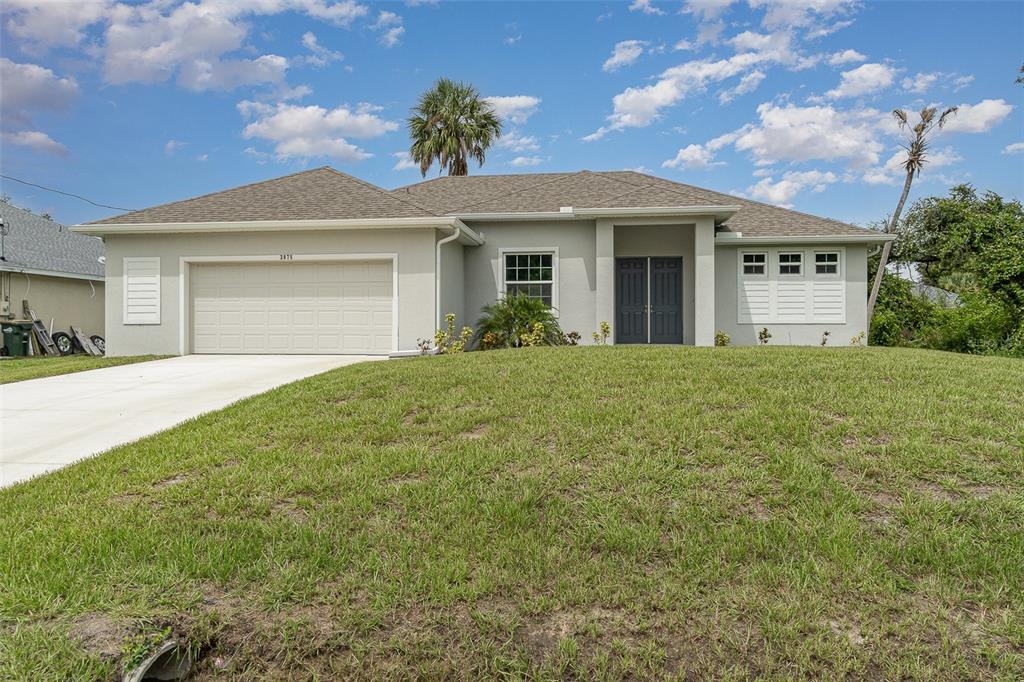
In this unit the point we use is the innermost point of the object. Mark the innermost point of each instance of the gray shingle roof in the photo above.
(613, 189)
(318, 194)
(36, 243)
(324, 193)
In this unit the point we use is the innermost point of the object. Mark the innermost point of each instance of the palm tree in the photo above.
(452, 124)
(917, 150)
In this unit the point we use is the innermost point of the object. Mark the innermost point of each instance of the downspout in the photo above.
(456, 233)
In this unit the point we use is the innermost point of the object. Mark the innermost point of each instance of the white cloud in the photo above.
(173, 146)
(921, 82)
(706, 10)
(683, 44)
(404, 161)
(514, 108)
(390, 25)
(892, 171)
(525, 161)
(793, 133)
(203, 157)
(979, 118)
(801, 13)
(791, 184)
(28, 88)
(312, 131)
(320, 55)
(827, 29)
(624, 53)
(746, 85)
(214, 74)
(961, 82)
(845, 57)
(42, 25)
(36, 141)
(644, 6)
(1015, 148)
(697, 156)
(863, 80)
(516, 142)
(692, 156)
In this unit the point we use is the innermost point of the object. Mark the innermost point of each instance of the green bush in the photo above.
(506, 322)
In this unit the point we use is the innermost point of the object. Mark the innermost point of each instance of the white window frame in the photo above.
(766, 264)
(539, 250)
(139, 318)
(838, 274)
(779, 264)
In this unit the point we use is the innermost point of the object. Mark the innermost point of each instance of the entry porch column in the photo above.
(704, 282)
(605, 276)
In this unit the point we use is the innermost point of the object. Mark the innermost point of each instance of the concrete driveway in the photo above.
(46, 424)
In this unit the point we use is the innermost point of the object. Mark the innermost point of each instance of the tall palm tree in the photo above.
(917, 146)
(452, 124)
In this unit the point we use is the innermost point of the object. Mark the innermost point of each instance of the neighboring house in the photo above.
(60, 273)
(321, 262)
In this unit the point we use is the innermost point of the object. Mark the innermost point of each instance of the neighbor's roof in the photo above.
(612, 189)
(36, 243)
(318, 194)
(326, 194)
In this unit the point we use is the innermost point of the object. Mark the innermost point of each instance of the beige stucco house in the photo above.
(322, 262)
(58, 272)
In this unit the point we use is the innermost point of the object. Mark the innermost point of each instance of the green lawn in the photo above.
(39, 366)
(549, 513)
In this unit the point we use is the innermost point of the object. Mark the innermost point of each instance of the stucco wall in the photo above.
(415, 249)
(726, 306)
(577, 277)
(68, 301)
(452, 293)
(666, 240)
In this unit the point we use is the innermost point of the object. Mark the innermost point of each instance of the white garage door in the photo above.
(331, 307)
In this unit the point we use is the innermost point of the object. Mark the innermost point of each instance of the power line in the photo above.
(67, 194)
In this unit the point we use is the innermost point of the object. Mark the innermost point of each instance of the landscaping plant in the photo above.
(506, 322)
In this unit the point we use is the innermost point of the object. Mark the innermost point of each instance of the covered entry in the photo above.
(649, 299)
(330, 306)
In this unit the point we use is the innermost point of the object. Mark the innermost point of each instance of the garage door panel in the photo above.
(292, 307)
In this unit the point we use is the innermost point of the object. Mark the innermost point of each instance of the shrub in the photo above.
(446, 340)
(571, 338)
(603, 333)
(722, 339)
(505, 322)
(824, 337)
(763, 336)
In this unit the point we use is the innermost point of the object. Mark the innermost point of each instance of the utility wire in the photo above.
(67, 194)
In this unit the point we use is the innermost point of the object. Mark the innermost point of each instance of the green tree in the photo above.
(917, 145)
(452, 124)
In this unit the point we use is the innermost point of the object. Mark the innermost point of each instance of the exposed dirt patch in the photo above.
(290, 510)
(756, 509)
(983, 492)
(169, 482)
(935, 491)
(100, 634)
(477, 432)
(848, 631)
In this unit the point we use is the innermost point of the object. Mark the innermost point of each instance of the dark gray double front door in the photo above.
(649, 300)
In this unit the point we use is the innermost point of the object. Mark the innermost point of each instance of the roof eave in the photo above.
(18, 269)
(107, 229)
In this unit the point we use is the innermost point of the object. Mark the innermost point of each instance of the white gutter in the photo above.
(266, 225)
(456, 233)
(5, 267)
(721, 238)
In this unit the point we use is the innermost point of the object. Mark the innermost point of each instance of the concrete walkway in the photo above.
(46, 424)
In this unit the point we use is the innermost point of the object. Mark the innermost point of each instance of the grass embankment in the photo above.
(587, 512)
(39, 366)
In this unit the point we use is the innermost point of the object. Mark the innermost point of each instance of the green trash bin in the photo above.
(17, 337)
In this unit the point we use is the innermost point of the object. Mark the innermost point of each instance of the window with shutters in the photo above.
(141, 291)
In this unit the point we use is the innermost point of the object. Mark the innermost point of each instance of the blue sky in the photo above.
(134, 104)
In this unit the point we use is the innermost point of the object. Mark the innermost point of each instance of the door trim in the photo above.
(184, 295)
(648, 311)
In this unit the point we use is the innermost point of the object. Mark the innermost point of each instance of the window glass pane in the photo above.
(753, 269)
(546, 273)
(753, 258)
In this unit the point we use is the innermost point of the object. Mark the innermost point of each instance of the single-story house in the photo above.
(322, 262)
(59, 272)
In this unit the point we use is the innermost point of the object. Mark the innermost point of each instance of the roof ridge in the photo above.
(380, 189)
(210, 194)
(560, 178)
